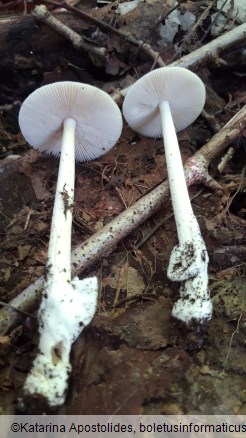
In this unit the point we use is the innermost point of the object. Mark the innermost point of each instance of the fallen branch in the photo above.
(104, 241)
(155, 56)
(42, 14)
(210, 53)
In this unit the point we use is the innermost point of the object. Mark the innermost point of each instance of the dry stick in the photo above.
(208, 53)
(212, 50)
(155, 56)
(107, 238)
(104, 241)
(42, 14)
(194, 59)
(225, 159)
(9, 107)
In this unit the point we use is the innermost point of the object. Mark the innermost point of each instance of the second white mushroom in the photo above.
(162, 102)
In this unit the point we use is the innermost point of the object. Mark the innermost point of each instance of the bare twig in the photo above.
(15, 309)
(213, 49)
(208, 53)
(225, 159)
(231, 341)
(239, 189)
(146, 48)
(224, 137)
(104, 241)
(42, 14)
(9, 107)
(211, 121)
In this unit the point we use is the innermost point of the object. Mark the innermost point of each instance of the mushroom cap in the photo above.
(98, 119)
(183, 89)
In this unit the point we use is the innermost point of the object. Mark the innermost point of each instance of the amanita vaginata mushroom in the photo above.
(77, 121)
(161, 103)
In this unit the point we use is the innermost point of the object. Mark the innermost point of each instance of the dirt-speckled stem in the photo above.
(84, 255)
(59, 252)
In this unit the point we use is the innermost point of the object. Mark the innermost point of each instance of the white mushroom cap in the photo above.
(98, 119)
(183, 89)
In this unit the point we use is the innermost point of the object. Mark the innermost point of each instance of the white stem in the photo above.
(59, 252)
(182, 209)
(189, 260)
(68, 308)
(67, 305)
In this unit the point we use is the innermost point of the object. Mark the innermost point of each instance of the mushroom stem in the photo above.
(59, 252)
(184, 217)
(68, 305)
(189, 260)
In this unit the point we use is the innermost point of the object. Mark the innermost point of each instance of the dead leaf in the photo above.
(144, 327)
(24, 251)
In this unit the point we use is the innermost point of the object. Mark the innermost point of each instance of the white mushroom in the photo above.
(162, 102)
(77, 121)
